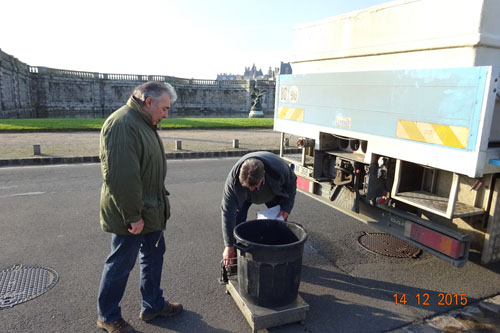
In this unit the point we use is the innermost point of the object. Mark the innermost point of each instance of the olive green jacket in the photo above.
(134, 168)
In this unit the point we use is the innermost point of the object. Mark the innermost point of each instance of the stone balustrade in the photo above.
(38, 92)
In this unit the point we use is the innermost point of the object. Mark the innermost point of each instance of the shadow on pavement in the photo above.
(187, 321)
(381, 290)
(348, 316)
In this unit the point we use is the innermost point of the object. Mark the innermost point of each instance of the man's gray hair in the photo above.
(251, 172)
(154, 89)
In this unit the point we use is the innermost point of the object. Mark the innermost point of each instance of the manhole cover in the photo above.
(20, 283)
(387, 245)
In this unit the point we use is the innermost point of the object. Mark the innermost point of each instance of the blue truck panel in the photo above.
(377, 102)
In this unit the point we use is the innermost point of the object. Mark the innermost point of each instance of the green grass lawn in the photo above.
(95, 124)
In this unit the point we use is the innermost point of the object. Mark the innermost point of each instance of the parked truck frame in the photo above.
(410, 145)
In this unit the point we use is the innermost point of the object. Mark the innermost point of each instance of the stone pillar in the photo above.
(1, 84)
(106, 96)
(36, 150)
(43, 93)
(95, 91)
(16, 93)
(249, 87)
(178, 145)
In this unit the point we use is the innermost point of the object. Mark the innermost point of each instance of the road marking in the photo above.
(21, 194)
(19, 167)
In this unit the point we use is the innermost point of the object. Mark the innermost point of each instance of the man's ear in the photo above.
(148, 101)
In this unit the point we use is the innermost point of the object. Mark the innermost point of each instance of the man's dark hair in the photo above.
(251, 172)
(154, 90)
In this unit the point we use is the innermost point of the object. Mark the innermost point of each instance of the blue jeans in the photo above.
(121, 260)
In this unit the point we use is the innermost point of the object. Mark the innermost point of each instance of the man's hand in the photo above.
(229, 253)
(136, 227)
(284, 214)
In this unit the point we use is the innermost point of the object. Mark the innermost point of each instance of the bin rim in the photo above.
(240, 239)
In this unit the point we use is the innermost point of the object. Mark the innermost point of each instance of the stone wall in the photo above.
(15, 88)
(41, 92)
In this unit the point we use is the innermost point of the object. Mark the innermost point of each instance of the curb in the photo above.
(170, 156)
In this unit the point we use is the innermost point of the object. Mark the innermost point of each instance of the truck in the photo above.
(396, 110)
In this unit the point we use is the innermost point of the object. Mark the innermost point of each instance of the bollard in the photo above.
(36, 150)
(178, 145)
(236, 143)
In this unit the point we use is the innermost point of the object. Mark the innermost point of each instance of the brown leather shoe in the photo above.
(169, 310)
(117, 326)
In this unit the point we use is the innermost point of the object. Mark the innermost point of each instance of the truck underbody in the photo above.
(441, 212)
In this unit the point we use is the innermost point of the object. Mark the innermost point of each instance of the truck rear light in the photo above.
(435, 240)
(305, 185)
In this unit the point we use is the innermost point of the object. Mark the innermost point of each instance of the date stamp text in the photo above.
(425, 299)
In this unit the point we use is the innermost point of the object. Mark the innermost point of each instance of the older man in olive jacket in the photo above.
(134, 204)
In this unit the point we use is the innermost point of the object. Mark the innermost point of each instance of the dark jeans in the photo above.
(121, 260)
(242, 212)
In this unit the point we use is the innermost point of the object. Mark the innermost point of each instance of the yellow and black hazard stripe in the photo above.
(291, 113)
(451, 136)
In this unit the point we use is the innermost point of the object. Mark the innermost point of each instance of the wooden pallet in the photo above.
(261, 318)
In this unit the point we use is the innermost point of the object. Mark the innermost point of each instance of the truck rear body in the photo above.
(402, 139)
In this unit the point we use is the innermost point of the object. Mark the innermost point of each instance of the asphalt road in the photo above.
(49, 218)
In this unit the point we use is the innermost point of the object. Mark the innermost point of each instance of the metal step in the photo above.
(355, 156)
(436, 204)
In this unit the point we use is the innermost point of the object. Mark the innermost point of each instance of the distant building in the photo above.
(229, 77)
(252, 73)
(285, 68)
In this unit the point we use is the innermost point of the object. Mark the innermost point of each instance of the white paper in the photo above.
(270, 213)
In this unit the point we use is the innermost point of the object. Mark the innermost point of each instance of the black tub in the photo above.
(269, 261)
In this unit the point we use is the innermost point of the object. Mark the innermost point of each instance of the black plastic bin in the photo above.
(269, 261)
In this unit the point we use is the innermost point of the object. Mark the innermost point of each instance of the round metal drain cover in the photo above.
(387, 245)
(20, 283)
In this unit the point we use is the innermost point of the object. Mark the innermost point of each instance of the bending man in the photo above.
(257, 178)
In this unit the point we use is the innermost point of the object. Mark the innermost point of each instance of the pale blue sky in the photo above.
(184, 38)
